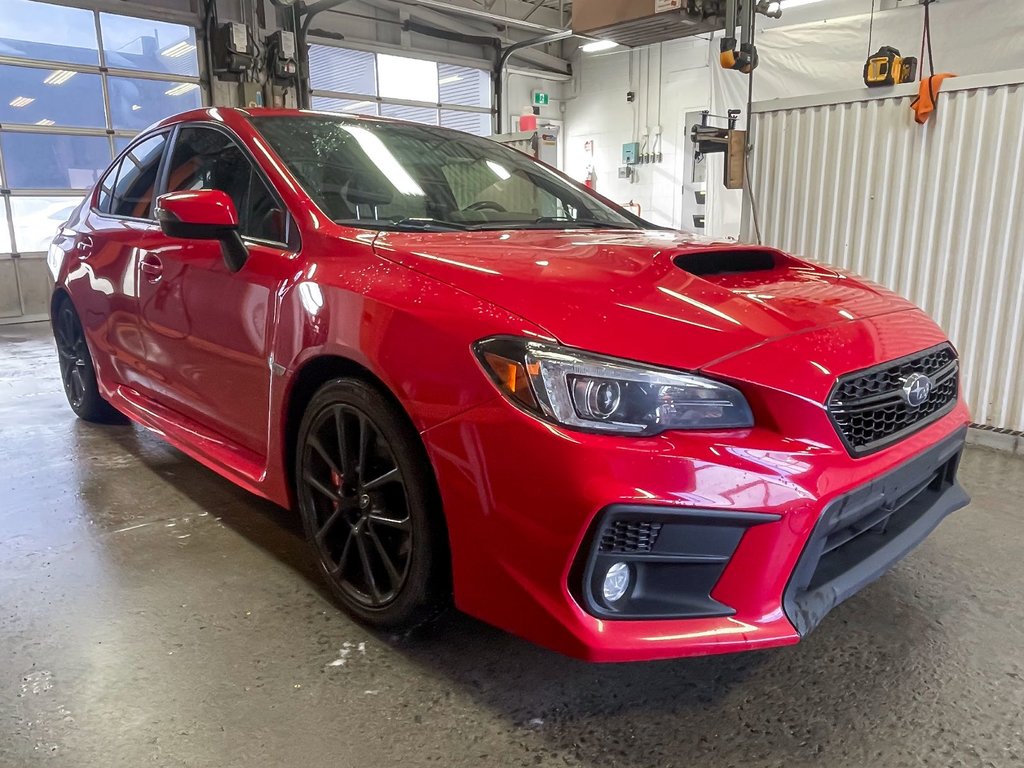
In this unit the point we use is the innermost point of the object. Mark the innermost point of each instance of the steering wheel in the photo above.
(486, 205)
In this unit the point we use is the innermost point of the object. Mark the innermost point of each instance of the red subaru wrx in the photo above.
(479, 381)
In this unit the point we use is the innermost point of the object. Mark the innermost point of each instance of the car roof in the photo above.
(218, 114)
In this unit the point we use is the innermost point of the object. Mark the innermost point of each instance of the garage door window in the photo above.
(435, 93)
(75, 87)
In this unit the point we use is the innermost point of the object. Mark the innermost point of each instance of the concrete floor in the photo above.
(153, 614)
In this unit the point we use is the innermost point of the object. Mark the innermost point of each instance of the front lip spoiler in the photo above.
(808, 599)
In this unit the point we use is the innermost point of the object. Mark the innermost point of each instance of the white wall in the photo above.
(813, 49)
(597, 111)
(519, 88)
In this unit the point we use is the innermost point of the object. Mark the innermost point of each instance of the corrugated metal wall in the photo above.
(933, 212)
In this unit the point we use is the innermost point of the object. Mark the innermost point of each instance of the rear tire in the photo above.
(370, 507)
(77, 372)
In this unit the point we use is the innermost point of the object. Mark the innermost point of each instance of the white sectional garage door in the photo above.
(403, 87)
(75, 86)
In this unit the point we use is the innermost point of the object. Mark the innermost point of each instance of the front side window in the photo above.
(205, 158)
(135, 181)
(390, 175)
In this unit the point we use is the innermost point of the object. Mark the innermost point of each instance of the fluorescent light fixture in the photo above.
(59, 77)
(21, 101)
(178, 90)
(386, 162)
(450, 79)
(796, 3)
(599, 45)
(499, 170)
(178, 50)
(44, 121)
(136, 107)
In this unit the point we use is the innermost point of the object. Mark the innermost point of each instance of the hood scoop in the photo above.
(727, 262)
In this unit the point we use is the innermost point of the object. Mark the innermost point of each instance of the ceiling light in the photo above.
(796, 3)
(136, 107)
(21, 101)
(59, 77)
(449, 79)
(44, 121)
(178, 50)
(599, 45)
(178, 90)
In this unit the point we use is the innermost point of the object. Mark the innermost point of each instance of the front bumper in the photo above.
(524, 500)
(862, 533)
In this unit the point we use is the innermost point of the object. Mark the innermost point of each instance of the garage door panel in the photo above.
(35, 96)
(53, 161)
(10, 303)
(35, 284)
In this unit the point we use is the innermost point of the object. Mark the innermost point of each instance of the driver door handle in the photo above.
(151, 267)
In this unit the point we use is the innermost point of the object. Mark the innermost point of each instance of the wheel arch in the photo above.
(305, 382)
(60, 294)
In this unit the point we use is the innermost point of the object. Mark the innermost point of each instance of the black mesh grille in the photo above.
(629, 536)
(870, 410)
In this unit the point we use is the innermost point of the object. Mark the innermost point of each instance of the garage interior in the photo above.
(152, 613)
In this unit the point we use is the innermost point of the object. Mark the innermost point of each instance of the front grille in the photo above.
(629, 536)
(862, 533)
(870, 410)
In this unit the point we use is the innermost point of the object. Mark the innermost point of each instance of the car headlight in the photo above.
(603, 394)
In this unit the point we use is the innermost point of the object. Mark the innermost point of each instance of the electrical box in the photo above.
(232, 51)
(631, 153)
(281, 55)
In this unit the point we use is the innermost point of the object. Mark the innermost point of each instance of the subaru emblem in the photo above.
(916, 389)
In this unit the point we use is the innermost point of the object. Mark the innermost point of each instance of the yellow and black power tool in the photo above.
(888, 67)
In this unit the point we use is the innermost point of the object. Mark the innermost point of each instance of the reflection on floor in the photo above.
(153, 614)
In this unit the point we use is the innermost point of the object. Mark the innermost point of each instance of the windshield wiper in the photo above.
(590, 223)
(545, 222)
(406, 224)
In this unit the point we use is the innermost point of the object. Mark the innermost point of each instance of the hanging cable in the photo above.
(746, 158)
(926, 45)
(871, 28)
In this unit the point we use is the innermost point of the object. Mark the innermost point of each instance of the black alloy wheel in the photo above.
(76, 369)
(368, 508)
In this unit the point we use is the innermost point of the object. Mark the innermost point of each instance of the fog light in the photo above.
(616, 582)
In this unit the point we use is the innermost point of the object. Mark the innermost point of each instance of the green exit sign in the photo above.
(541, 99)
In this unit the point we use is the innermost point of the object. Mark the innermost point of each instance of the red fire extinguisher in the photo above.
(590, 181)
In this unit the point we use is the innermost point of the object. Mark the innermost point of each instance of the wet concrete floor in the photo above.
(153, 614)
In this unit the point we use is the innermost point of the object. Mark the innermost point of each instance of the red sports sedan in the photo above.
(479, 382)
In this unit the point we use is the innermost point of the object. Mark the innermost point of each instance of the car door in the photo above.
(207, 330)
(116, 232)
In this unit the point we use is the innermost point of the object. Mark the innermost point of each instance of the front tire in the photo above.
(77, 372)
(370, 507)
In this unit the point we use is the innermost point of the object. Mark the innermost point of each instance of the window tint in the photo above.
(136, 179)
(205, 158)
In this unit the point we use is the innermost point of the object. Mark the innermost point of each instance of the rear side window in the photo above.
(205, 158)
(128, 189)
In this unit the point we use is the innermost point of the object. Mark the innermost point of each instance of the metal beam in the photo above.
(443, 21)
(484, 15)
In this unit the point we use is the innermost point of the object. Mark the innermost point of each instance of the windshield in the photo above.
(381, 175)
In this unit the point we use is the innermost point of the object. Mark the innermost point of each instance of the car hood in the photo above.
(661, 297)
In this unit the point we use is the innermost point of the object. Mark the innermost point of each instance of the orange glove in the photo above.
(924, 104)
